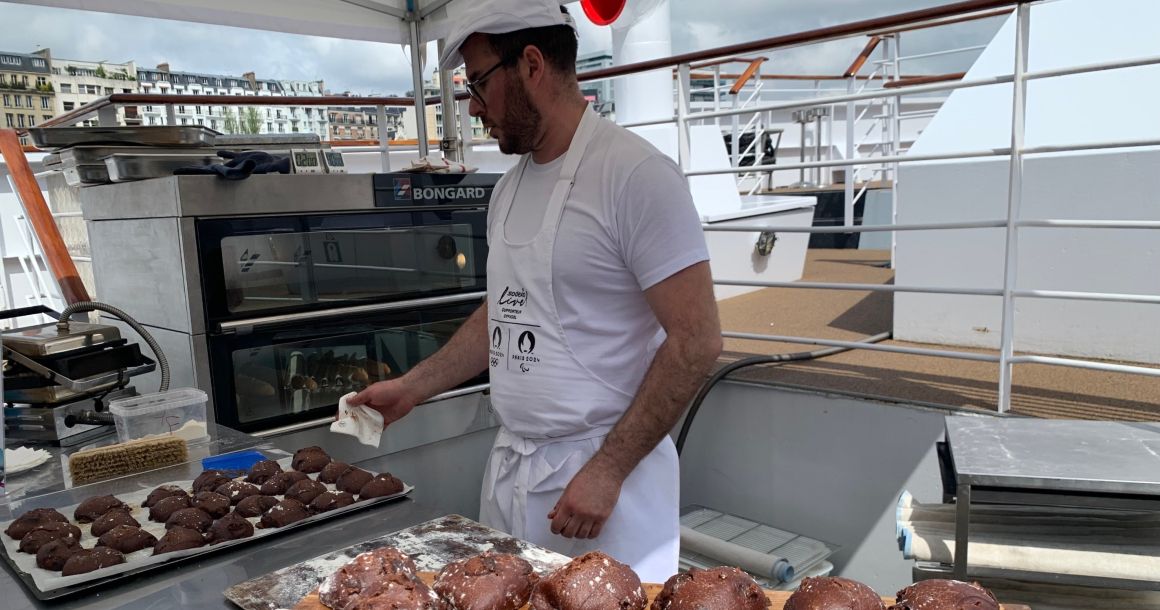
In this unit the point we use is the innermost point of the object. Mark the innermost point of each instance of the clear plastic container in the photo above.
(179, 412)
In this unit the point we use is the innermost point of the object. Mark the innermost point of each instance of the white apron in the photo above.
(555, 412)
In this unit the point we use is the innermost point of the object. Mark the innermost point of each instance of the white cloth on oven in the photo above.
(438, 165)
(361, 422)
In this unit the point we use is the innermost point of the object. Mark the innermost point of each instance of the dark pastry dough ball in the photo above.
(488, 581)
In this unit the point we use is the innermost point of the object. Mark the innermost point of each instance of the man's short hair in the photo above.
(557, 43)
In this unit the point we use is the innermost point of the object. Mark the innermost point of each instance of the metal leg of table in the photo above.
(962, 529)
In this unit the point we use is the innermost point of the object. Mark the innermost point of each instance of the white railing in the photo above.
(1016, 152)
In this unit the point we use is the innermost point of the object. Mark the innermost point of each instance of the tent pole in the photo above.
(450, 145)
(418, 54)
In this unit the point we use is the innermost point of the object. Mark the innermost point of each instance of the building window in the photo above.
(18, 102)
(20, 120)
(7, 100)
(8, 119)
(32, 121)
(9, 60)
(28, 98)
(197, 109)
(184, 121)
(41, 81)
(69, 106)
(44, 103)
(65, 88)
(126, 90)
(181, 110)
(108, 91)
(39, 63)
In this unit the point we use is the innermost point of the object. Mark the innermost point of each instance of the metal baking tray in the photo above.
(83, 175)
(159, 135)
(262, 141)
(128, 167)
(95, 154)
(132, 490)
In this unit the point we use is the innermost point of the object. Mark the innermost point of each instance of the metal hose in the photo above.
(695, 405)
(83, 306)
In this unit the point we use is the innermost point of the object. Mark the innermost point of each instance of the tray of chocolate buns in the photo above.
(64, 547)
(454, 563)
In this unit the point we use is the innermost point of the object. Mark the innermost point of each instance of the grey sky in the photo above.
(371, 68)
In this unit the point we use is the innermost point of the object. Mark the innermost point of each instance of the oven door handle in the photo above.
(326, 421)
(243, 327)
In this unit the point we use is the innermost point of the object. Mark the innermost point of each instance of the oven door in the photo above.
(289, 369)
(263, 266)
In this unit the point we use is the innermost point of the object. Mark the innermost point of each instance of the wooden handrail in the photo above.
(726, 60)
(924, 80)
(36, 209)
(739, 84)
(935, 24)
(157, 99)
(836, 32)
(862, 57)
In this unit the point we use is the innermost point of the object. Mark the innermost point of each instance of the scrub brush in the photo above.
(126, 458)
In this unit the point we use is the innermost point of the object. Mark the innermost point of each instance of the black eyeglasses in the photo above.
(473, 86)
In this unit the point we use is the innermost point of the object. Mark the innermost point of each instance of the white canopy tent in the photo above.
(410, 23)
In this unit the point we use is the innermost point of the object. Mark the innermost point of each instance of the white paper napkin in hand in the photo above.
(361, 422)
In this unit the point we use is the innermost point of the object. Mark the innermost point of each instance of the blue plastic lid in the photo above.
(241, 460)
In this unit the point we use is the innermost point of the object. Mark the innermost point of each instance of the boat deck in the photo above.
(1037, 391)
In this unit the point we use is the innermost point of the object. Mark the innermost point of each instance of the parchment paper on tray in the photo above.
(46, 580)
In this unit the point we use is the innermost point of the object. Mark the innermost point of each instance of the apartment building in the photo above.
(234, 118)
(79, 82)
(355, 123)
(26, 92)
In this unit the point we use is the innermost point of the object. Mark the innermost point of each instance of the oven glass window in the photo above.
(296, 376)
(269, 271)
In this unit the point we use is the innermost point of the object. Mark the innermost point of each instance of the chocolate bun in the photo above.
(354, 584)
(310, 460)
(331, 472)
(162, 492)
(94, 507)
(279, 483)
(88, 560)
(262, 471)
(54, 554)
(833, 593)
(254, 506)
(353, 479)
(330, 500)
(213, 503)
(127, 539)
(305, 491)
(284, 513)
(230, 527)
(720, 588)
(488, 581)
(382, 485)
(941, 594)
(47, 532)
(31, 520)
(165, 507)
(593, 581)
(179, 539)
(192, 518)
(112, 519)
(210, 480)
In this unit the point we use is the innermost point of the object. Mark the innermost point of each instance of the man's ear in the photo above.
(534, 65)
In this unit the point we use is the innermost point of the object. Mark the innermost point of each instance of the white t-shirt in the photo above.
(628, 224)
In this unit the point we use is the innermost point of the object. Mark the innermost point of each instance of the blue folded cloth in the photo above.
(239, 166)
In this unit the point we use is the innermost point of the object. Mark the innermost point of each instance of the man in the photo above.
(600, 321)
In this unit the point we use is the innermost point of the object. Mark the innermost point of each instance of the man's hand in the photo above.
(392, 398)
(587, 501)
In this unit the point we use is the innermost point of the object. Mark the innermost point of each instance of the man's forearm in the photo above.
(676, 373)
(462, 358)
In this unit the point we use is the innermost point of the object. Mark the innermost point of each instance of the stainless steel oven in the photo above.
(290, 291)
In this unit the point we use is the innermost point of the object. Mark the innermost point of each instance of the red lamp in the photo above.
(602, 12)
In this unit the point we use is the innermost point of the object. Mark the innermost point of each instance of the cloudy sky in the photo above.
(371, 68)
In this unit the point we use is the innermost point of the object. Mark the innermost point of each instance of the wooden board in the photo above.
(776, 598)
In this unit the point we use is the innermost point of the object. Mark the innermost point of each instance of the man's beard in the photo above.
(521, 120)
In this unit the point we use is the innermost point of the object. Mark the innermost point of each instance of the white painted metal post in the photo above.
(466, 134)
(171, 116)
(850, 115)
(384, 141)
(734, 147)
(683, 117)
(717, 90)
(418, 54)
(1014, 202)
